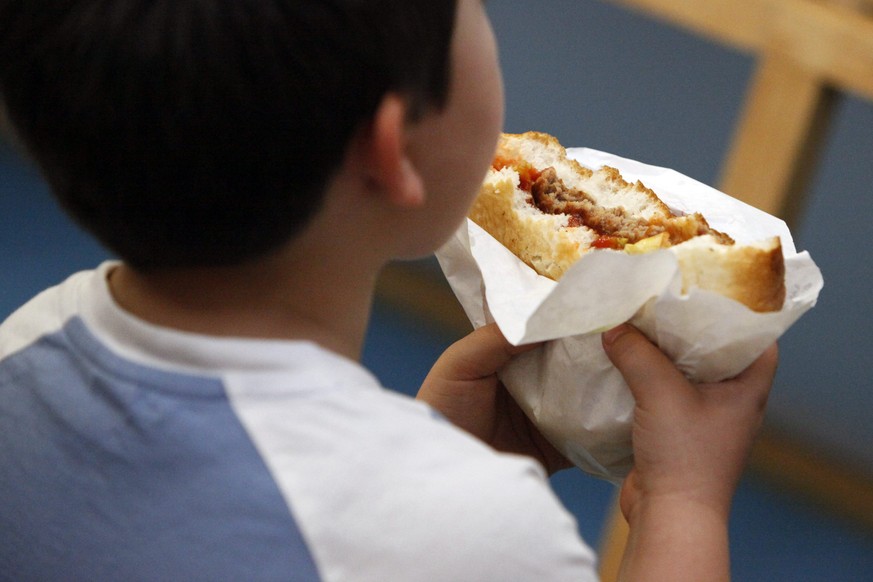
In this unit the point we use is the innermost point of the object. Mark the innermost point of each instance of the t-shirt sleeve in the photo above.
(514, 528)
(382, 489)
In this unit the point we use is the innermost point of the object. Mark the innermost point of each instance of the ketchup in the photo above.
(607, 242)
(527, 174)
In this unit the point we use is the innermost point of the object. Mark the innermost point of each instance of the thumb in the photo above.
(649, 374)
(479, 354)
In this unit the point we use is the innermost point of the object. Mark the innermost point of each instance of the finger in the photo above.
(480, 354)
(649, 374)
(756, 381)
(764, 367)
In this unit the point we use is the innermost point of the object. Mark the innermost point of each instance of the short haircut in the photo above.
(190, 133)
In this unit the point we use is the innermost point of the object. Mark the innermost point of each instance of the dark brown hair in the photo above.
(188, 133)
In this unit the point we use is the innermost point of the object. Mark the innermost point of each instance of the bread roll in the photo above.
(550, 211)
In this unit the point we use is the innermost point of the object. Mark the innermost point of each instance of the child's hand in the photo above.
(691, 442)
(463, 387)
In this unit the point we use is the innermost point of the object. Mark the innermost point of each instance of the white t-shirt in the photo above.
(134, 452)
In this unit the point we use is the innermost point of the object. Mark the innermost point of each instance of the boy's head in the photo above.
(202, 132)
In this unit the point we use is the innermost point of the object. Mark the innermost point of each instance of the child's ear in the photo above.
(389, 168)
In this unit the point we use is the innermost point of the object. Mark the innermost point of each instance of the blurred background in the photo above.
(677, 87)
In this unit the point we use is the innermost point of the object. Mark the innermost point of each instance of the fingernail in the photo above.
(613, 334)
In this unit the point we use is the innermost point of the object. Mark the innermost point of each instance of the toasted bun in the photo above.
(752, 274)
(551, 241)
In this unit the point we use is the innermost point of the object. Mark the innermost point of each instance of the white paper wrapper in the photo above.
(568, 387)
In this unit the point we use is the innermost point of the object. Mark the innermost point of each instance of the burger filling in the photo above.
(617, 228)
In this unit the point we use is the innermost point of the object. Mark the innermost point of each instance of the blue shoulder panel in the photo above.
(116, 471)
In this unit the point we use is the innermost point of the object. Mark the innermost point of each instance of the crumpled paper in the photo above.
(567, 386)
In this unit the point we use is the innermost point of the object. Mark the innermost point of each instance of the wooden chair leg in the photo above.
(779, 135)
(613, 543)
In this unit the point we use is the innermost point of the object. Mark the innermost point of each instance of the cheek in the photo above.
(485, 111)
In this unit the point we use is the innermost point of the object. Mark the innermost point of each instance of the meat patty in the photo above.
(552, 196)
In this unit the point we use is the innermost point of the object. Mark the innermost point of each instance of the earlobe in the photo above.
(390, 168)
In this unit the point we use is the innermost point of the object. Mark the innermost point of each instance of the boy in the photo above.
(195, 411)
